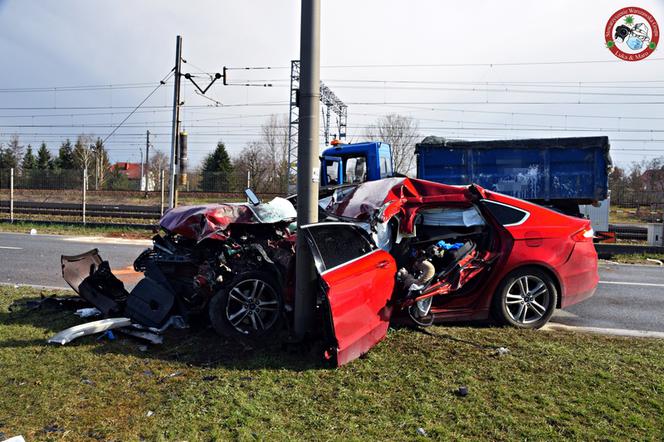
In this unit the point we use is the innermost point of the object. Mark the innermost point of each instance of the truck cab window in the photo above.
(332, 171)
(384, 173)
(356, 170)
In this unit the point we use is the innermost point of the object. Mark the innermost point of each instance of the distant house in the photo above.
(133, 173)
(131, 170)
(653, 179)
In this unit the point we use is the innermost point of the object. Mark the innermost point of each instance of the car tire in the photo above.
(526, 298)
(249, 307)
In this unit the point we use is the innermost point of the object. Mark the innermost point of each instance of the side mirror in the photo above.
(251, 196)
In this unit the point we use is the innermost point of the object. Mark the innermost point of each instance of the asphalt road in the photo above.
(35, 259)
(628, 297)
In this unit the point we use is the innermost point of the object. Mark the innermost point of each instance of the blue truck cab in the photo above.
(356, 163)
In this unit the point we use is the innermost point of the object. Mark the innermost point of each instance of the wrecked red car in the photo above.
(465, 253)
(384, 249)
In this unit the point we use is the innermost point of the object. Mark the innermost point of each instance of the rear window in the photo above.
(506, 215)
(451, 216)
(338, 244)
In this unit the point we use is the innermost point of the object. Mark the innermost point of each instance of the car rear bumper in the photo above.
(579, 275)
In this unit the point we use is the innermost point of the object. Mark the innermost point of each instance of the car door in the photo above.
(358, 280)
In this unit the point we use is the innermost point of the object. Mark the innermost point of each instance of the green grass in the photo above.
(552, 386)
(625, 215)
(73, 229)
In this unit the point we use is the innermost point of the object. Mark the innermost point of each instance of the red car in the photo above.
(396, 247)
(517, 260)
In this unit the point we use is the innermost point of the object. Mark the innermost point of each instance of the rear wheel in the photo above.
(526, 298)
(249, 307)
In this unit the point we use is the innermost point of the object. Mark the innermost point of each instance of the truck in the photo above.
(561, 173)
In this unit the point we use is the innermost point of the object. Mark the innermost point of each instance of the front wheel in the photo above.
(526, 298)
(249, 307)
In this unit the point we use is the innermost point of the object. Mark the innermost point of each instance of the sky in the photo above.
(466, 70)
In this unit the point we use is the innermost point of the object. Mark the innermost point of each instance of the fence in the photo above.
(115, 188)
(78, 196)
(632, 205)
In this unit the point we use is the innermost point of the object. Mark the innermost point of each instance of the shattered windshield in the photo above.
(278, 209)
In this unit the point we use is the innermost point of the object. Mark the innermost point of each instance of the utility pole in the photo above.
(140, 182)
(307, 162)
(176, 121)
(147, 162)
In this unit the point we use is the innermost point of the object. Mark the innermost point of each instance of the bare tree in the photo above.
(266, 158)
(253, 160)
(275, 140)
(84, 154)
(649, 174)
(158, 161)
(400, 132)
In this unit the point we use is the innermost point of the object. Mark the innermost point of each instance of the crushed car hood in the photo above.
(211, 220)
(381, 200)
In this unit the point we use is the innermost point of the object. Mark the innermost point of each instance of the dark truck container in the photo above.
(557, 172)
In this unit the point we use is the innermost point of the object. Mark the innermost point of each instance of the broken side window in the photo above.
(337, 244)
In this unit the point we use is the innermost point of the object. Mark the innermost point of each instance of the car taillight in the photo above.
(584, 235)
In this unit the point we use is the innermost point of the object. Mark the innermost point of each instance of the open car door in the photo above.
(357, 280)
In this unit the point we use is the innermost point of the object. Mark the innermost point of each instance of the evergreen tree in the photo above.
(100, 163)
(65, 159)
(216, 169)
(44, 160)
(29, 161)
(10, 156)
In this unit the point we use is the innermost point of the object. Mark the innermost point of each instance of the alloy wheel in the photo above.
(527, 299)
(252, 306)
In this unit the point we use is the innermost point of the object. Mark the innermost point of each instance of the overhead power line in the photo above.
(161, 83)
(516, 63)
(554, 103)
(505, 90)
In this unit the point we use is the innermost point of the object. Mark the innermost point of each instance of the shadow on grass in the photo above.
(196, 346)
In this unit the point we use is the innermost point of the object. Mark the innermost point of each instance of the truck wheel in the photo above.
(526, 298)
(249, 307)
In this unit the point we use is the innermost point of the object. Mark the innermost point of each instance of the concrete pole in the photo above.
(176, 120)
(307, 163)
(11, 195)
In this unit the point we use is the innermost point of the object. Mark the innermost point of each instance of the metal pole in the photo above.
(147, 163)
(96, 168)
(140, 182)
(11, 194)
(161, 187)
(307, 162)
(248, 181)
(85, 185)
(176, 120)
